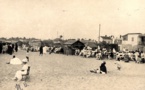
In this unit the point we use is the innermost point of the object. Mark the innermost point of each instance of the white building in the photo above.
(133, 41)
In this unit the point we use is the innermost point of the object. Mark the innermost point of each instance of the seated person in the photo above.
(15, 61)
(26, 59)
(126, 58)
(19, 74)
(103, 69)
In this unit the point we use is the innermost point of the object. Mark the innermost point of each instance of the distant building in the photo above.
(75, 44)
(107, 39)
(71, 45)
(133, 41)
(142, 39)
(131, 38)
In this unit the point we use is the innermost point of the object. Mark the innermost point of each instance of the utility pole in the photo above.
(99, 33)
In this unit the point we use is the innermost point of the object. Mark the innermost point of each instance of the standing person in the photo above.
(67, 50)
(16, 47)
(44, 50)
(1, 47)
(5, 48)
(27, 53)
(10, 50)
(13, 47)
(112, 55)
(103, 69)
(41, 50)
(136, 55)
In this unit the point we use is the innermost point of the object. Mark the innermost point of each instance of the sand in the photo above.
(61, 72)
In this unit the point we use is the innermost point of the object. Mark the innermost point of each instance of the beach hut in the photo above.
(71, 45)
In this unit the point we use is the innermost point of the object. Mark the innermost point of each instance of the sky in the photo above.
(47, 19)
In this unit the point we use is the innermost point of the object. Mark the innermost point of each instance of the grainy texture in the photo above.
(56, 71)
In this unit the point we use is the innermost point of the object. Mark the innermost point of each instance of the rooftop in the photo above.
(69, 42)
(132, 34)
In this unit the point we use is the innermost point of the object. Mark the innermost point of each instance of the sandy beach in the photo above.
(61, 72)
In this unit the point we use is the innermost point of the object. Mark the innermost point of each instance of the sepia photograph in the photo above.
(72, 45)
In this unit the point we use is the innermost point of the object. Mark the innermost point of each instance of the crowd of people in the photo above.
(104, 54)
(8, 48)
(137, 56)
(100, 53)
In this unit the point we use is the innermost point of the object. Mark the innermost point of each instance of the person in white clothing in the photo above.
(19, 74)
(44, 50)
(15, 61)
(136, 55)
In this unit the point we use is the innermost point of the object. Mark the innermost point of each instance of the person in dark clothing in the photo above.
(11, 50)
(112, 55)
(16, 47)
(1, 47)
(41, 50)
(13, 46)
(103, 69)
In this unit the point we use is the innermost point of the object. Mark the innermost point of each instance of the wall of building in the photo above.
(132, 39)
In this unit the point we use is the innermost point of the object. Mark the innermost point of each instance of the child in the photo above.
(118, 66)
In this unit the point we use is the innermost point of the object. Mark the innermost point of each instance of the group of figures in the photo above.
(45, 49)
(103, 54)
(8, 48)
(98, 53)
(23, 73)
(137, 56)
